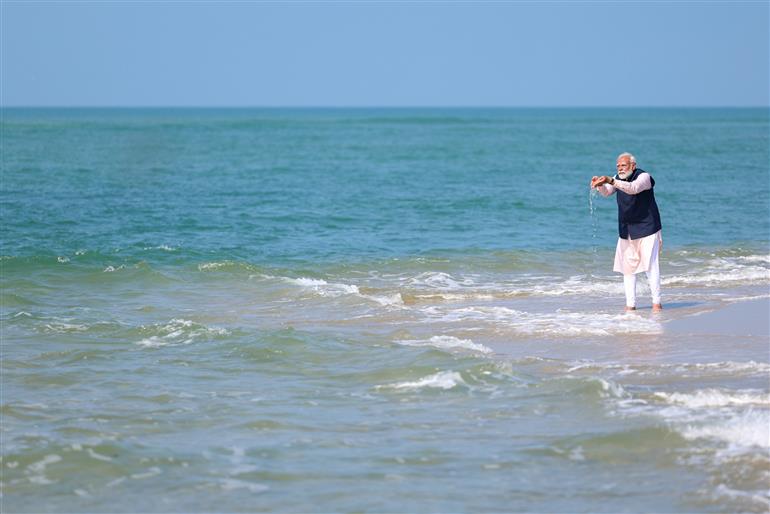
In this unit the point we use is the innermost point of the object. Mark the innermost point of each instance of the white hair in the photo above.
(626, 154)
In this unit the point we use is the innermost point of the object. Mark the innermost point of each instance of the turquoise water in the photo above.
(376, 310)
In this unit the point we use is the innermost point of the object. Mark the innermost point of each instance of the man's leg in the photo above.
(629, 281)
(653, 277)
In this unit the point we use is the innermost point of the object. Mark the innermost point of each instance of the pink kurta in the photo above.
(633, 255)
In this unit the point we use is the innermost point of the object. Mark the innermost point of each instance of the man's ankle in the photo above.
(627, 309)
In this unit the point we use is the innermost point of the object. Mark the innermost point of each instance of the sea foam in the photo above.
(715, 398)
(741, 431)
(568, 324)
(440, 380)
(446, 343)
(178, 332)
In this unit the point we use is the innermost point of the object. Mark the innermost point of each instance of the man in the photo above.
(639, 227)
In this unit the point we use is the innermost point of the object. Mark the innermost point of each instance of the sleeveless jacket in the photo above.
(638, 214)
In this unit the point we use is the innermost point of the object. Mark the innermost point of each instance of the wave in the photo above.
(324, 288)
(57, 462)
(441, 380)
(749, 500)
(336, 289)
(8, 299)
(701, 370)
(742, 431)
(446, 343)
(549, 324)
(396, 282)
(735, 276)
(739, 420)
(592, 387)
(715, 398)
(725, 368)
(178, 332)
(439, 280)
(230, 267)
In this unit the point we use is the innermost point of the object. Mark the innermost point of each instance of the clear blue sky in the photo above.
(385, 54)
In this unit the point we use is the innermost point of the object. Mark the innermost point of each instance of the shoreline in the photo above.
(749, 318)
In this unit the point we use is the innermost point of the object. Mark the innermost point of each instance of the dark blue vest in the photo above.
(638, 214)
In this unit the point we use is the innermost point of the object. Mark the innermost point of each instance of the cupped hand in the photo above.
(597, 181)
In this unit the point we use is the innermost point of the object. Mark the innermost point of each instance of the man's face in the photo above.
(625, 166)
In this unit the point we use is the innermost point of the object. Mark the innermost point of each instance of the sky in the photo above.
(271, 54)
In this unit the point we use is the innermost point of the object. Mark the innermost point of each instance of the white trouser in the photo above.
(653, 277)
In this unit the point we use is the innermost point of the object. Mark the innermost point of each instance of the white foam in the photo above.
(748, 274)
(558, 323)
(62, 259)
(715, 398)
(98, 456)
(151, 472)
(581, 286)
(324, 288)
(739, 419)
(755, 258)
(439, 280)
(455, 296)
(307, 282)
(755, 497)
(336, 289)
(741, 431)
(61, 327)
(153, 342)
(501, 314)
(228, 484)
(115, 482)
(702, 272)
(611, 388)
(179, 332)
(440, 380)
(446, 342)
(165, 248)
(39, 466)
(207, 266)
(577, 454)
(394, 300)
(40, 480)
(730, 368)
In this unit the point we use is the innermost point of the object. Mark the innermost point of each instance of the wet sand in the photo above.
(748, 318)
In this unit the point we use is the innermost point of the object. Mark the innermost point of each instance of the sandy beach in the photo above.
(739, 318)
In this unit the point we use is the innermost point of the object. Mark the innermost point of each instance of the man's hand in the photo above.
(597, 181)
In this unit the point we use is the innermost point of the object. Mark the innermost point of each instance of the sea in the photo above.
(379, 310)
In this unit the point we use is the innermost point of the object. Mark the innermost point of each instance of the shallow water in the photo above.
(376, 310)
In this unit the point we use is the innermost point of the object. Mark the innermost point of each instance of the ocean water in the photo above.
(368, 310)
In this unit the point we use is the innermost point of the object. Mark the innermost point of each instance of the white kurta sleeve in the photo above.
(606, 190)
(641, 183)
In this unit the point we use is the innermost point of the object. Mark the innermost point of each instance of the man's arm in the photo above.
(641, 183)
(606, 190)
(602, 184)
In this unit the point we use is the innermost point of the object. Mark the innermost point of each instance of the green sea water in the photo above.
(317, 310)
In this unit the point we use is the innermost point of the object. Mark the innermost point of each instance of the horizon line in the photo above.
(171, 106)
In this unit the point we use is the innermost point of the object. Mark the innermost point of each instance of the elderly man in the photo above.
(639, 227)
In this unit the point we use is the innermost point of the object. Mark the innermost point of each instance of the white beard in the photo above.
(625, 174)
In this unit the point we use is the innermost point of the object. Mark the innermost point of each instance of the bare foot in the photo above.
(629, 309)
(656, 307)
